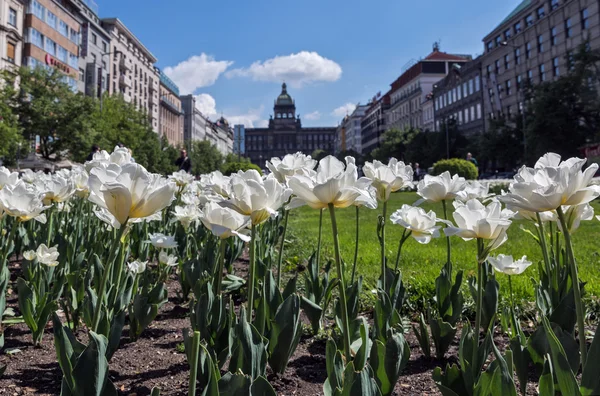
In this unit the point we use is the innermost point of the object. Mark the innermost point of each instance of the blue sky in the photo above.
(235, 54)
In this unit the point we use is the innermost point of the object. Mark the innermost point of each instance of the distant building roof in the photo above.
(167, 82)
(524, 4)
(443, 56)
(284, 98)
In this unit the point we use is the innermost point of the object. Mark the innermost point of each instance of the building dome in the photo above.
(284, 98)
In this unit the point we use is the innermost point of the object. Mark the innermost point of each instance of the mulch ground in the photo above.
(154, 361)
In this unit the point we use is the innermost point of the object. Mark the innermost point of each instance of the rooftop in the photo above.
(284, 98)
(121, 26)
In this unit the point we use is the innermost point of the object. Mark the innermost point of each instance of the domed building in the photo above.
(285, 134)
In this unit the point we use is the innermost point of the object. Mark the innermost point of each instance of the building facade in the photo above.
(11, 33)
(373, 124)
(52, 33)
(132, 71)
(428, 110)
(285, 134)
(239, 138)
(459, 97)
(194, 123)
(348, 137)
(170, 114)
(94, 51)
(220, 134)
(410, 90)
(533, 43)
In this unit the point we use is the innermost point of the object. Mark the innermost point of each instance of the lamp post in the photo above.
(521, 98)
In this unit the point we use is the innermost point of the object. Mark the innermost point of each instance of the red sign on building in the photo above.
(58, 64)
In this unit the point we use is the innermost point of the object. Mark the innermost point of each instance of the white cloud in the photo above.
(196, 72)
(315, 115)
(296, 69)
(251, 118)
(341, 111)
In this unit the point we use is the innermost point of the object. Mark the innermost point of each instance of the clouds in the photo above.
(315, 115)
(341, 111)
(196, 72)
(251, 118)
(296, 69)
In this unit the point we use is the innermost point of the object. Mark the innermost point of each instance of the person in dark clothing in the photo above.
(472, 159)
(95, 149)
(184, 162)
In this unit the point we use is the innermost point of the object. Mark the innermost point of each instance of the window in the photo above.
(489, 69)
(490, 45)
(470, 86)
(476, 83)
(478, 111)
(542, 73)
(540, 43)
(74, 36)
(568, 28)
(499, 88)
(508, 86)
(554, 4)
(570, 61)
(465, 89)
(73, 60)
(94, 58)
(506, 61)
(61, 53)
(530, 75)
(517, 56)
(585, 21)
(498, 41)
(459, 117)
(466, 116)
(104, 47)
(38, 9)
(81, 75)
(12, 17)
(278, 115)
(509, 111)
(553, 36)
(541, 12)
(529, 20)
(10, 51)
(555, 67)
(527, 50)
(459, 93)
(50, 46)
(94, 39)
(497, 64)
(51, 19)
(36, 38)
(519, 82)
(517, 27)
(507, 34)
(472, 113)
(63, 28)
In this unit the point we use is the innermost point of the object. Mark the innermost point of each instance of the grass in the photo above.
(421, 264)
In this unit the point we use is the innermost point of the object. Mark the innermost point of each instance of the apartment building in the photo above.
(533, 43)
(348, 135)
(94, 53)
(170, 114)
(194, 123)
(132, 71)
(428, 110)
(11, 33)
(373, 123)
(459, 97)
(52, 33)
(220, 134)
(410, 90)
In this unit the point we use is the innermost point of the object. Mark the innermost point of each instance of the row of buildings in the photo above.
(533, 44)
(99, 56)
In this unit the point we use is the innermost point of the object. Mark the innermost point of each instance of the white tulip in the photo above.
(551, 184)
(162, 241)
(474, 190)
(333, 183)
(290, 165)
(28, 176)
(8, 178)
(23, 203)
(182, 178)
(129, 191)
(388, 178)
(217, 182)
(120, 156)
(186, 215)
(421, 224)
(223, 222)
(29, 255)
(81, 179)
(575, 214)
(47, 256)
(57, 189)
(167, 259)
(253, 196)
(137, 267)
(474, 220)
(507, 265)
(439, 188)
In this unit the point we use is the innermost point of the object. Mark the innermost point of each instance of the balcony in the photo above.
(153, 100)
(153, 86)
(126, 64)
(126, 98)
(125, 81)
(169, 105)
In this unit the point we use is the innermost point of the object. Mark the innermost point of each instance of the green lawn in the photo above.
(421, 263)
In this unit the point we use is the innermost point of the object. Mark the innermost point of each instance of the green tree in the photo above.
(205, 157)
(319, 154)
(394, 144)
(47, 107)
(10, 135)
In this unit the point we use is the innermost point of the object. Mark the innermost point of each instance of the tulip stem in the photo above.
(285, 224)
(104, 280)
(542, 233)
(11, 237)
(220, 267)
(355, 246)
(252, 274)
(405, 236)
(576, 290)
(194, 363)
(479, 300)
(383, 266)
(50, 226)
(448, 262)
(319, 240)
(342, 285)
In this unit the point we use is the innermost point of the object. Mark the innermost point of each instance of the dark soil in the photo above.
(154, 361)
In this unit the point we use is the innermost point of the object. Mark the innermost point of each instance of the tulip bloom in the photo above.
(224, 222)
(186, 215)
(137, 267)
(181, 178)
(421, 224)
(47, 256)
(162, 241)
(8, 178)
(290, 165)
(22, 202)
(508, 265)
(440, 188)
(473, 190)
(388, 178)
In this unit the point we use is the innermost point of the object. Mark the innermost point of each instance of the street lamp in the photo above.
(521, 98)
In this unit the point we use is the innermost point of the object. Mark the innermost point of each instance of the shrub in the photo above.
(458, 166)
(234, 167)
